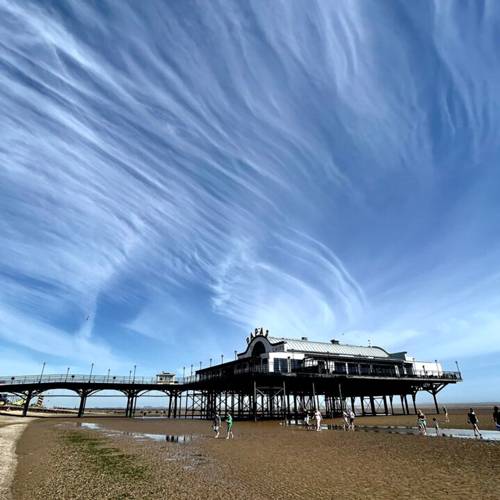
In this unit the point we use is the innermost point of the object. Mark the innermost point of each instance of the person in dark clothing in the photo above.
(496, 417)
(474, 421)
(216, 424)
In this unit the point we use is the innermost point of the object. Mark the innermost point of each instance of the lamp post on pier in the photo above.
(41, 374)
(91, 370)
(133, 380)
(67, 373)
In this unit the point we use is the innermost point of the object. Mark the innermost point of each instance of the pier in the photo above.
(274, 378)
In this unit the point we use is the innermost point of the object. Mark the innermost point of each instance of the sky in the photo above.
(174, 174)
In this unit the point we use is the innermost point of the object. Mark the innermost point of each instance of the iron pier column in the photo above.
(27, 402)
(435, 400)
(372, 406)
(254, 402)
(83, 399)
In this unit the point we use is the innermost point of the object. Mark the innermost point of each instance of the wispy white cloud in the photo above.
(315, 170)
(64, 347)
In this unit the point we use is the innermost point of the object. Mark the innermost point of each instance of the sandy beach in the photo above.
(139, 458)
(11, 429)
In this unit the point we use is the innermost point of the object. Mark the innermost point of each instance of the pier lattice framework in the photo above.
(253, 395)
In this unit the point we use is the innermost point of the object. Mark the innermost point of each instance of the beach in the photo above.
(157, 458)
(11, 429)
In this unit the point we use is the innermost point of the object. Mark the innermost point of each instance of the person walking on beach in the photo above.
(422, 423)
(352, 416)
(229, 421)
(436, 426)
(307, 422)
(217, 424)
(318, 417)
(496, 417)
(345, 416)
(445, 412)
(474, 421)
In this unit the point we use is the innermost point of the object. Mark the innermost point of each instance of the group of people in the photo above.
(471, 420)
(422, 423)
(348, 416)
(217, 424)
(310, 417)
(312, 420)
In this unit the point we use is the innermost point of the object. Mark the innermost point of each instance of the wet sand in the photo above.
(58, 458)
(457, 417)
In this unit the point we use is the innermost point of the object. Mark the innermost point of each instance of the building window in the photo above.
(280, 365)
(365, 369)
(353, 369)
(340, 367)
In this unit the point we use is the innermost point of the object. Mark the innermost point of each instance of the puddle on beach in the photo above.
(431, 432)
(140, 436)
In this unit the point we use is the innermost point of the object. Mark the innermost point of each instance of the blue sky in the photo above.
(173, 174)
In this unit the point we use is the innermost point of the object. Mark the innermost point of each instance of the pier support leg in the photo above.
(414, 399)
(362, 399)
(129, 404)
(435, 401)
(169, 405)
(254, 401)
(353, 400)
(372, 406)
(386, 410)
(286, 403)
(406, 404)
(390, 401)
(27, 403)
(136, 397)
(83, 400)
(402, 403)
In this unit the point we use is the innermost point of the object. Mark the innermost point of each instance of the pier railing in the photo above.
(316, 371)
(85, 379)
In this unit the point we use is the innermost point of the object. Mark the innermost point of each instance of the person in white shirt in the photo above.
(352, 416)
(318, 417)
(345, 416)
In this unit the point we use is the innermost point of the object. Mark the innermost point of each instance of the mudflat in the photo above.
(68, 459)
